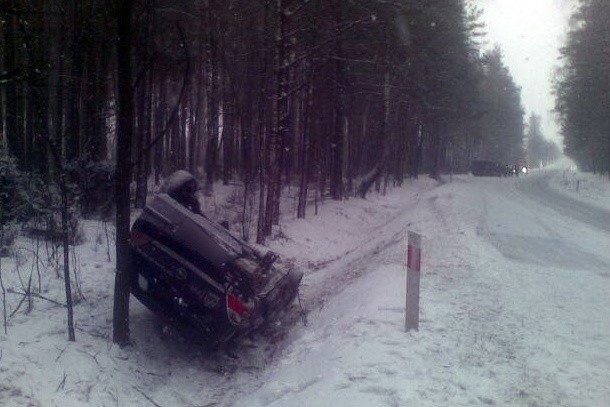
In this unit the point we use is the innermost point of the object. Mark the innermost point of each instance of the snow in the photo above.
(514, 301)
(591, 188)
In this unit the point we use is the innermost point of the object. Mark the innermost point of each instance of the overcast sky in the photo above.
(530, 33)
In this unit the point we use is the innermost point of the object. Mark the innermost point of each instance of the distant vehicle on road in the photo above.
(522, 166)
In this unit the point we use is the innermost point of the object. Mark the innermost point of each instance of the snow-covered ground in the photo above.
(591, 188)
(514, 298)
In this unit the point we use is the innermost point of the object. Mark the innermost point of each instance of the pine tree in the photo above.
(583, 87)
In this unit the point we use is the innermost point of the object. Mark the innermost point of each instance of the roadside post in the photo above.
(413, 277)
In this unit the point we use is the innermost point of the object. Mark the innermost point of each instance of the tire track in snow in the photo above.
(358, 261)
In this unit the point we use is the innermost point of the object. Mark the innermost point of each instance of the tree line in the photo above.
(582, 87)
(322, 95)
(330, 97)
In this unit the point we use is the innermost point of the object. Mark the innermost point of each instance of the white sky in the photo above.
(530, 33)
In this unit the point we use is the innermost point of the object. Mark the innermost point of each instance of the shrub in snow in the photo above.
(15, 206)
(31, 202)
(14, 198)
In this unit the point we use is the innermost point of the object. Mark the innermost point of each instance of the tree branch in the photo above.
(175, 110)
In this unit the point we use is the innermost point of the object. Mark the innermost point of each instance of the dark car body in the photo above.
(192, 270)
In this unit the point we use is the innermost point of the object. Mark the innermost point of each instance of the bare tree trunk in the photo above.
(160, 116)
(339, 121)
(183, 132)
(3, 291)
(436, 150)
(260, 229)
(10, 88)
(415, 151)
(304, 154)
(211, 157)
(280, 127)
(141, 136)
(66, 247)
(145, 96)
(228, 134)
(372, 176)
(194, 126)
(123, 174)
(72, 137)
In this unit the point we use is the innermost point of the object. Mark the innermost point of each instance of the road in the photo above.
(537, 188)
(531, 222)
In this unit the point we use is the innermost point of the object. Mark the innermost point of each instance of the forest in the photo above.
(321, 95)
(582, 87)
(101, 100)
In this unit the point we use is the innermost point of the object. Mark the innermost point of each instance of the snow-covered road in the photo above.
(514, 312)
(539, 188)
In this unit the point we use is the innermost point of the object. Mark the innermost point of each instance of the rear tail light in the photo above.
(236, 305)
(238, 309)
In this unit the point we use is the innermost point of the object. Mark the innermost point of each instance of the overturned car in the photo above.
(192, 270)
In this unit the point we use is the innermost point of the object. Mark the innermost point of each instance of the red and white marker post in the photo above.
(413, 276)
